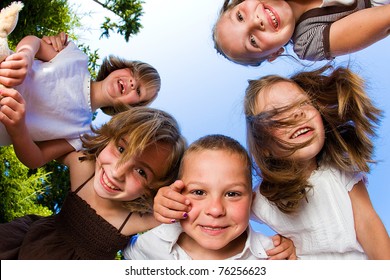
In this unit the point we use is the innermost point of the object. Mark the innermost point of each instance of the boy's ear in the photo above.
(275, 55)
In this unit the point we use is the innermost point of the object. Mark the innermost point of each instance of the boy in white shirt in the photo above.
(216, 178)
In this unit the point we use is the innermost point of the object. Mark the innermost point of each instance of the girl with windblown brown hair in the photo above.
(310, 137)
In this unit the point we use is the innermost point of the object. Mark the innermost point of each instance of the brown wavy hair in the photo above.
(141, 126)
(350, 119)
(143, 72)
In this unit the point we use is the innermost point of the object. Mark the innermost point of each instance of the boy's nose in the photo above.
(215, 208)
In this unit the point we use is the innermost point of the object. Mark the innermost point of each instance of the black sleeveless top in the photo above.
(77, 232)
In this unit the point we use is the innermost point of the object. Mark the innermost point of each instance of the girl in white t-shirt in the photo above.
(53, 97)
(310, 139)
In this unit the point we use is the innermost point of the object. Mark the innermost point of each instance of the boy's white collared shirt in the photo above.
(160, 243)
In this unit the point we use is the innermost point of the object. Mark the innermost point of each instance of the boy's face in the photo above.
(216, 182)
(254, 30)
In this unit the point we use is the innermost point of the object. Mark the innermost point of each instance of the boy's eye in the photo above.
(138, 92)
(240, 17)
(198, 192)
(232, 194)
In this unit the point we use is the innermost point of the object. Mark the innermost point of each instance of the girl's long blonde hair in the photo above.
(141, 127)
(349, 118)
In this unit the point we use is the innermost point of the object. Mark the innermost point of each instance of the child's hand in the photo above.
(284, 249)
(58, 42)
(12, 112)
(170, 205)
(14, 68)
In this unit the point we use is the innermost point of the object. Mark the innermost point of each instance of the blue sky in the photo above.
(204, 91)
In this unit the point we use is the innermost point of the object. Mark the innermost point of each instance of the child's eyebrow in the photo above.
(195, 183)
(122, 139)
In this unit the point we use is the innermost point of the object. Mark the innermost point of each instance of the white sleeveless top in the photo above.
(57, 94)
(323, 227)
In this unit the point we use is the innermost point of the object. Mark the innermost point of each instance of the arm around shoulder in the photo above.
(372, 24)
(35, 155)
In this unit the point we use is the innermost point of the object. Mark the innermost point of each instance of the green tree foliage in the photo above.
(19, 189)
(129, 12)
(42, 17)
(42, 191)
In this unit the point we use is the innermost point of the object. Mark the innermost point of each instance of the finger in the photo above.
(15, 61)
(177, 186)
(276, 240)
(292, 256)
(10, 82)
(64, 38)
(54, 43)
(274, 251)
(166, 215)
(60, 41)
(17, 73)
(13, 94)
(58, 44)
(280, 256)
(163, 219)
(172, 201)
(46, 39)
(173, 192)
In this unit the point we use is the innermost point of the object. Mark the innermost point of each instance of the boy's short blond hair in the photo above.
(218, 142)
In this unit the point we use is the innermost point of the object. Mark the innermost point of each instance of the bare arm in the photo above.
(42, 49)
(16, 66)
(370, 231)
(31, 154)
(141, 223)
(359, 30)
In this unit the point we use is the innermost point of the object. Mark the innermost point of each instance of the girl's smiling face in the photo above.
(255, 30)
(121, 86)
(129, 180)
(308, 119)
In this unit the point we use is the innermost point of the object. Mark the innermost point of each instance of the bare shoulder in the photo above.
(80, 170)
(139, 223)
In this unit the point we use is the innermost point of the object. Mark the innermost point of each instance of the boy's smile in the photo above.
(217, 185)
